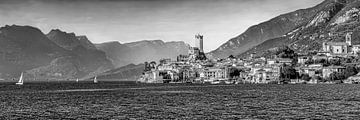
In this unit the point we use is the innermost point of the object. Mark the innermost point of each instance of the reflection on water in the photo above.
(114, 100)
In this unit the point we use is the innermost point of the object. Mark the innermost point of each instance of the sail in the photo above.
(21, 79)
(77, 80)
(95, 80)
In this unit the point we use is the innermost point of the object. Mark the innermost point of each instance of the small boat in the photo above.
(21, 80)
(77, 80)
(95, 80)
(216, 82)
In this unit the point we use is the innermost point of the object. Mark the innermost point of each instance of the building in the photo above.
(151, 77)
(303, 59)
(199, 42)
(341, 48)
(332, 69)
(216, 74)
(336, 48)
(182, 58)
(311, 70)
(263, 76)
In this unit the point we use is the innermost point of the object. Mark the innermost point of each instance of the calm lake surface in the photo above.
(119, 100)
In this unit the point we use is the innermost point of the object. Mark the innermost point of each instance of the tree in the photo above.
(232, 57)
(332, 77)
(234, 72)
(286, 52)
(305, 77)
(288, 72)
(320, 61)
(152, 65)
(350, 71)
(309, 62)
(334, 62)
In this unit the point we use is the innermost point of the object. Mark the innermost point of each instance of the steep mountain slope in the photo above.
(85, 59)
(335, 19)
(23, 48)
(26, 49)
(271, 29)
(142, 51)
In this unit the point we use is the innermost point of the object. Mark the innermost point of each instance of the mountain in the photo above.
(85, 42)
(85, 58)
(129, 72)
(332, 21)
(58, 55)
(69, 41)
(25, 47)
(142, 51)
(274, 28)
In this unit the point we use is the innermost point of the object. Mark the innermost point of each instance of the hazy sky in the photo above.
(134, 20)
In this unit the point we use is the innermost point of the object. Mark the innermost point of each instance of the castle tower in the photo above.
(199, 42)
(348, 38)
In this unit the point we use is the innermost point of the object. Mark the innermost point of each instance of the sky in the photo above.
(134, 20)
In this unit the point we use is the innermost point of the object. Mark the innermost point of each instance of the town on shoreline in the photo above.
(337, 62)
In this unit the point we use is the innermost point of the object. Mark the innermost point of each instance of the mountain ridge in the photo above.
(334, 20)
(273, 28)
(142, 51)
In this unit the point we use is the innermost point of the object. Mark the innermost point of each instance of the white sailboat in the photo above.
(77, 80)
(95, 80)
(21, 80)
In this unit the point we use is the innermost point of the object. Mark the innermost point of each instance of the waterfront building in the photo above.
(313, 81)
(216, 73)
(311, 70)
(332, 69)
(151, 77)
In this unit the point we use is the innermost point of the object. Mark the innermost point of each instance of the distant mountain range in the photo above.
(60, 55)
(303, 30)
(141, 51)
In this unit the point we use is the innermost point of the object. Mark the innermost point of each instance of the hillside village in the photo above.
(337, 62)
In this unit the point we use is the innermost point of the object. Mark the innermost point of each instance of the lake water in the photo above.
(118, 100)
